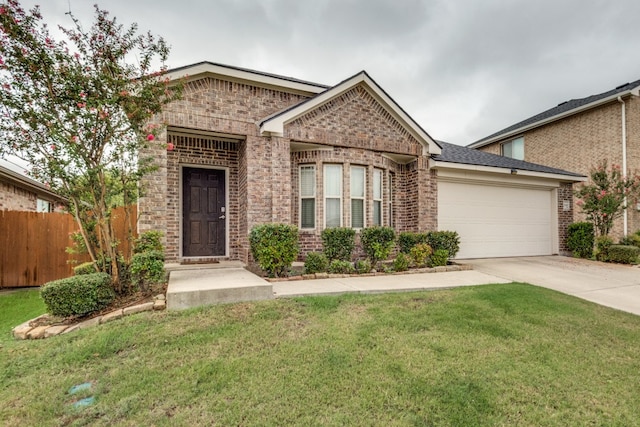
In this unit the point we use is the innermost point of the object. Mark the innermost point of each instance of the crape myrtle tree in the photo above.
(604, 199)
(80, 111)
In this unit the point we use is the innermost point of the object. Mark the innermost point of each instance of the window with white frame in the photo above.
(377, 197)
(514, 149)
(307, 196)
(390, 202)
(358, 186)
(332, 196)
(44, 205)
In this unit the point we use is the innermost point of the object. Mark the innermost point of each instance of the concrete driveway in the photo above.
(611, 285)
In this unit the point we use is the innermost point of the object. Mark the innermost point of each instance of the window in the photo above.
(307, 197)
(332, 195)
(377, 197)
(357, 196)
(390, 202)
(44, 206)
(514, 149)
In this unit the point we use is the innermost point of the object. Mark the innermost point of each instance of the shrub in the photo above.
(624, 254)
(84, 268)
(580, 236)
(407, 240)
(377, 243)
(274, 247)
(315, 262)
(420, 254)
(338, 243)
(363, 266)
(78, 295)
(603, 243)
(447, 240)
(147, 268)
(631, 240)
(341, 267)
(148, 241)
(439, 258)
(401, 263)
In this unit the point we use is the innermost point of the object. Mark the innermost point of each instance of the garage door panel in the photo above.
(495, 221)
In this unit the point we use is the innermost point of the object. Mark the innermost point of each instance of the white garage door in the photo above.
(497, 221)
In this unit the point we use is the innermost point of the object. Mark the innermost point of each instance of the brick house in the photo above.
(246, 148)
(21, 193)
(576, 135)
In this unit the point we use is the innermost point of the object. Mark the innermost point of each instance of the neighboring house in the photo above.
(21, 193)
(578, 134)
(245, 148)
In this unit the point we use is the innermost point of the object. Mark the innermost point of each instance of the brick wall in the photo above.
(565, 217)
(14, 198)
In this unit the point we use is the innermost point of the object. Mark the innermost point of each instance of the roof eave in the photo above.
(29, 184)
(435, 164)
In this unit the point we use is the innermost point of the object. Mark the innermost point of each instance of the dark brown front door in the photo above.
(203, 212)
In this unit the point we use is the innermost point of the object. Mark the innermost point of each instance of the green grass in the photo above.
(491, 355)
(17, 307)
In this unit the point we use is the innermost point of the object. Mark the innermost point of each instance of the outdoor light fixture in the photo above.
(514, 171)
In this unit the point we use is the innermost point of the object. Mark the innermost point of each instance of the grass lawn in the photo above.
(490, 355)
(17, 307)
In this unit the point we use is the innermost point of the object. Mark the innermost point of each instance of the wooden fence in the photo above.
(32, 246)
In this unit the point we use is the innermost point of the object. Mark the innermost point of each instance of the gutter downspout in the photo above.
(624, 163)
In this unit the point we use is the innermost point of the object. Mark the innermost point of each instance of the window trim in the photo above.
(380, 173)
(340, 196)
(314, 197)
(363, 197)
(510, 143)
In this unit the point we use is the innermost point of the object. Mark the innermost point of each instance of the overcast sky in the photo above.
(462, 69)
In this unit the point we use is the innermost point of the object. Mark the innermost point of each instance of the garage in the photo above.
(497, 220)
(502, 207)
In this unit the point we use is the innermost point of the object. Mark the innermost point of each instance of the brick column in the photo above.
(427, 187)
(565, 217)
(279, 181)
(152, 206)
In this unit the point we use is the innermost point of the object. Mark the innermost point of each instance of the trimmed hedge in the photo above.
(603, 243)
(624, 254)
(580, 239)
(341, 267)
(147, 268)
(363, 266)
(447, 240)
(78, 295)
(420, 254)
(84, 268)
(377, 243)
(148, 241)
(338, 243)
(438, 258)
(315, 262)
(408, 239)
(401, 263)
(274, 247)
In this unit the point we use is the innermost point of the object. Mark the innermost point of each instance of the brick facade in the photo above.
(216, 125)
(579, 142)
(14, 198)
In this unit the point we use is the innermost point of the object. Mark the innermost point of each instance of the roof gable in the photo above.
(275, 124)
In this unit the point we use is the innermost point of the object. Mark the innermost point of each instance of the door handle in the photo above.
(222, 217)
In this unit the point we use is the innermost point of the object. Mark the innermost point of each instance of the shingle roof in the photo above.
(469, 156)
(564, 107)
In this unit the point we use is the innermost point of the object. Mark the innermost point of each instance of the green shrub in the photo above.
(147, 268)
(377, 243)
(420, 254)
(341, 267)
(631, 240)
(401, 263)
(408, 239)
(274, 247)
(439, 258)
(338, 243)
(580, 237)
(78, 295)
(363, 266)
(315, 262)
(84, 268)
(447, 240)
(624, 254)
(148, 241)
(603, 243)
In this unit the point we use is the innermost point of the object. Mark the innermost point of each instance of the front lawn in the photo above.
(16, 307)
(490, 355)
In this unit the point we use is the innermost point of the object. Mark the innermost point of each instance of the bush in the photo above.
(401, 263)
(341, 267)
(420, 254)
(447, 240)
(580, 236)
(148, 241)
(84, 268)
(338, 243)
(439, 258)
(147, 268)
(315, 262)
(603, 243)
(363, 266)
(624, 254)
(377, 243)
(631, 240)
(407, 240)
(78, 295)
(274, 247)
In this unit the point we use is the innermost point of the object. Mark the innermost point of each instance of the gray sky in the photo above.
(462, 69)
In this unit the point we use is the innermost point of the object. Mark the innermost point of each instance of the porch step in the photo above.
(198, 286)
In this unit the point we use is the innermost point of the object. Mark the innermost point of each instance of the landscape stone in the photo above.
(52, 331)
(37, 332)
(159, 304)
(147, 306)
(111, 316)
(20, 331)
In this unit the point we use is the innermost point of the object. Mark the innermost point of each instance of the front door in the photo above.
(203, 212)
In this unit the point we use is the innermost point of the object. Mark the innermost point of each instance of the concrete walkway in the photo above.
(611, 285)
